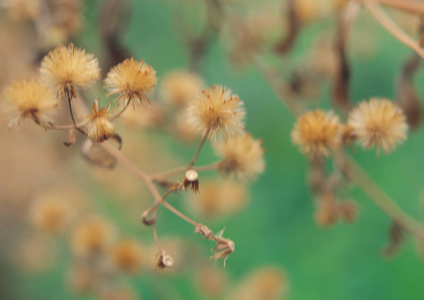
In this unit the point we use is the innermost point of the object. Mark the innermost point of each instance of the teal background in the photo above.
(277, 228)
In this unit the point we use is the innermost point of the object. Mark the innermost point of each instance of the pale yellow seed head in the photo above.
(216, 113)
(242, 155)
(317, 133)
(178, 87)
(131, 81)
(67, 68)
(378, 123)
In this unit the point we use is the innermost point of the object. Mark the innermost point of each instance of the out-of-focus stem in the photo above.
(415, 7)
(382, 200)
(178, 213)
(385, 21)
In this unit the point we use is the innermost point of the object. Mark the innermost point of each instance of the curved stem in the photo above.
(392, 28)
(118, 113)
(180, 214)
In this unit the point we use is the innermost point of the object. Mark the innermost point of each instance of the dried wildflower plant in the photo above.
(211, 113)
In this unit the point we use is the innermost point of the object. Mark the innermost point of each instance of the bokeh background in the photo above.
(274, 228)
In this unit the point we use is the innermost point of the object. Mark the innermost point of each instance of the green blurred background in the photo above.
(277, 228)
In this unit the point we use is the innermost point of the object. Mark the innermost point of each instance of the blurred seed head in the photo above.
(211, 280)
(92, 236)
(317, 133)
(179, 86)
(265, 283)
(29, 99)
(127, 256)
(216, 113)
(22, 10)
(242, 156)
(378, 123)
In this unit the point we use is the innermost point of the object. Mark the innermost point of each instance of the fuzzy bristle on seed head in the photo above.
(317, 133)
(378, 123)
(216, 113)
(242, 156)
(65, 69)
(131, 81)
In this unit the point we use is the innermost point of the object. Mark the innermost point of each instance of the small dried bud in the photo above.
(99, 127)
(164, 261)
(191, 181)
(327, 212)
(224, 247)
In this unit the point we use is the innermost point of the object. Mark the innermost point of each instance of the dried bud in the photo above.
(164, 261)
(205, 231)
(327, 212)
(191, 181)
(348, 211)
(224, 247)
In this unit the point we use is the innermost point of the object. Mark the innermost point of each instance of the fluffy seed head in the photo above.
(215, 112)
(67, 68)
(51, 215)
(179, 86)
(92, 236)
(242, 156)
(127, 256)
(29, 97)
(378, 123)
(131, 81)
(317, 133)
(99, 128)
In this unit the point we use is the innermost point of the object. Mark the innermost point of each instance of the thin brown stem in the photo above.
(385, 21)
(196, 154)
(155, 235)
(179, 214)
(118, 113)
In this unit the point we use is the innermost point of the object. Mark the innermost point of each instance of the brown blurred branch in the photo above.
(385, 21)
(411, 6)
(345, 23)
(293, 28)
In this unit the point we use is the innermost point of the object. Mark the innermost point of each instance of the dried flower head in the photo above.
(317, 133)
(67, 68)
(82, 279)
(242, 156)
(131, 81)
(378, 123)
(92, 236)
(99, 127)
(30, 99)
(215, 112)
(223, 248)
(22, 10)
(127, 256)
(191, 181)
(179, 86)
(164, 261)
(51, 215)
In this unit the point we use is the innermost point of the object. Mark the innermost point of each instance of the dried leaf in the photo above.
(95, 154)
